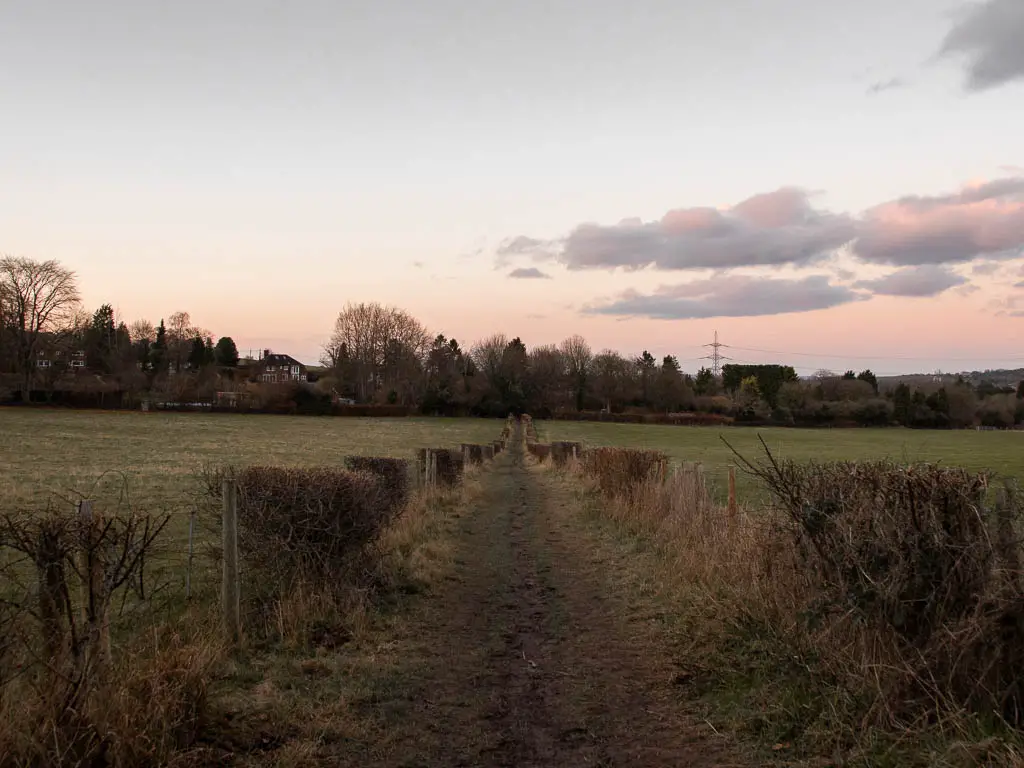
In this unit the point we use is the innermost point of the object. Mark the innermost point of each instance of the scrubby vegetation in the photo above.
(872, 609)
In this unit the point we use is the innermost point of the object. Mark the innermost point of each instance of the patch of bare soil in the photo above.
(529, 655)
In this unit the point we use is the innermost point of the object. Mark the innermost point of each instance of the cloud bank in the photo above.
(926, 280)
(782, 228)
(990, 36)
(730, 296)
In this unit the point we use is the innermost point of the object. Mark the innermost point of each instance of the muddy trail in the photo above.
(528, 656)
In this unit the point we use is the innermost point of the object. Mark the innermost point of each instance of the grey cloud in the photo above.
(1019, 285)
(529, 273)
(990, 35)
(986, 268)
(886, 85)
(925, 280)
(515, 247)
(731, 296)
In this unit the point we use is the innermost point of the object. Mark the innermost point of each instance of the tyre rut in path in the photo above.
(528, 657)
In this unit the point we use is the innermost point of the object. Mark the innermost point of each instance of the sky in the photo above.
(833, 184)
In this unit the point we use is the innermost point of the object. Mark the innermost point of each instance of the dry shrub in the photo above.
(618, 471)
(918, 572)
(475, 453)
(306, 525)
(449, 467)
(394, 475)
(867, 596)
(70, 693)
(539, 451)
(152, 705)
(705, 546)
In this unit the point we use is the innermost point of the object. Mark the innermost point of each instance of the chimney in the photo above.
(266, 353)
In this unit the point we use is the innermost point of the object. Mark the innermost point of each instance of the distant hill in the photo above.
(1001, 377)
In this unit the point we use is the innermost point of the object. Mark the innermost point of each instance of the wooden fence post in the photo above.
(732, 494)
(94, 600)
(431, 473)
(230, 588)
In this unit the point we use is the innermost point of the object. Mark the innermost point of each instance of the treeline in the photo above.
(383, 356)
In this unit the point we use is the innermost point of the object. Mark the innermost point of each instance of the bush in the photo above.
(449, 467)
(306, 524)
(923, 565)
(540, 451)
(619, 470)
(393, 473)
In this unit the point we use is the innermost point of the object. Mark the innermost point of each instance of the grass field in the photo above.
(1000, 452)
(47, 452)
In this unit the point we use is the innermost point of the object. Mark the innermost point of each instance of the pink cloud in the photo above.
(982, 220)
(783, 207)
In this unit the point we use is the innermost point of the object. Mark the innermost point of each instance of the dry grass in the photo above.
(150, 705)
(298, 703)
(778, 645)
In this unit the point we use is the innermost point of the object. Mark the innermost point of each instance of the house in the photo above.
(54, 354)
(278, 369)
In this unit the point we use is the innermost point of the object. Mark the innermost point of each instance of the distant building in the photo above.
(274, 368)
(53, 353)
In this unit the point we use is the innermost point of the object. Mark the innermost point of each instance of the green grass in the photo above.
(45, 451)
(1000, 452)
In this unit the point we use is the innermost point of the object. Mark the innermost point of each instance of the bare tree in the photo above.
(179, 338)
(547, 379)
(578, 359)
(488, 356)
(142, 330)
(37, 298)
(368, 339)
(614, 379)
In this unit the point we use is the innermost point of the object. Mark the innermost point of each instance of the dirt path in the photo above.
(529, 656)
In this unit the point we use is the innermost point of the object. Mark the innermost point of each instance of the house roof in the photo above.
(280, 360)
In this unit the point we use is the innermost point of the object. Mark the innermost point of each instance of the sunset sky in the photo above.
(827, 184)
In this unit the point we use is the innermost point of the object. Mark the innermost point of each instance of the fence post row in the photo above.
(230, 589)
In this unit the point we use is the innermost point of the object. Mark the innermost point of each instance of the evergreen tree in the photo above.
(158, 351)
(648, 369)
(197, 354)
(870, 378)
(226, 353)
(101, 340)
(901, 403)
(705, 383)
